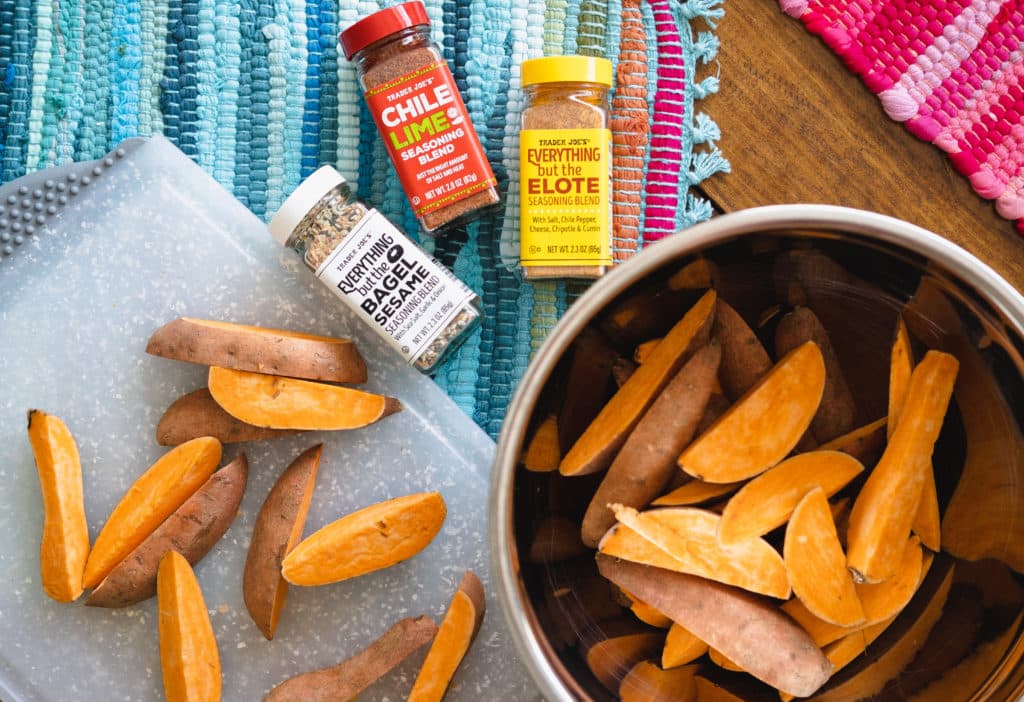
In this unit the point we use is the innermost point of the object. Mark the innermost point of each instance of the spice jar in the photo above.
(403, 293)
(565, 168)
(412, 96)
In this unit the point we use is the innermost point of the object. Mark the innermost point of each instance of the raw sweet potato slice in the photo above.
(744, 359)
(646, 461)
(750, 631)
(696, 492)
(723, 661)
(557, 538)
(596, 448)
(927, 522)
(258, 349)
(586, 384)
(816, 564)
(646, 613)
(646, 682)
(820, 631)
(642, 352)
(64, 547)
(191, 530)
(767, 501)
(886, 599)
(617, 649)
(543, 453)
(375, 537)
(698, 274)
(885, 507)
(198, 414)
(681, 647)
(764, 425)
(188, 650)
(278, 528)
(149, 501)
(353, 675)
(865, 443)
(690, 537)
(285, 403)
(454, 637)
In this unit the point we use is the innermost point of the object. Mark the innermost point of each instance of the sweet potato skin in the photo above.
(744, 358)
(258, 349)
(192, 530)
(278, 527)
(197, 414)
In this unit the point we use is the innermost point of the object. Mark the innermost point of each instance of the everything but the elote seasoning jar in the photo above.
(565, 168)
(403, 293)
(412, 96)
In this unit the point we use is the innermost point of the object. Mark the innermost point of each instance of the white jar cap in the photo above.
(304, 198)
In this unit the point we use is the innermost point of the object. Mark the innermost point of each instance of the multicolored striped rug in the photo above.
(949, 70)
(255, 92)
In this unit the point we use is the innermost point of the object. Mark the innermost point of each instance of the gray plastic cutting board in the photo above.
(146, 238)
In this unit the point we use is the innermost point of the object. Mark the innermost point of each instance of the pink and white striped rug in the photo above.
(949, 70)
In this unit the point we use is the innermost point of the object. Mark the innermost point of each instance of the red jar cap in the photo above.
(380, 24)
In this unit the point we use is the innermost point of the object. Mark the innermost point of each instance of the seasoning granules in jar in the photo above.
(403, 293)
(412, 96)
(565, 168)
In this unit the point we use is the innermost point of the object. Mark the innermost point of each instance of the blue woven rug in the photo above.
(255, 93)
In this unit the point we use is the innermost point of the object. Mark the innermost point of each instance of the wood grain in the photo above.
(797, 126)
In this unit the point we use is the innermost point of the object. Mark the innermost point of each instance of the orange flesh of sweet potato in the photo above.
(696, 492)
(457, 631)
(698, 274)
(767, 501)
(375, 537)
(278, 528)
(927, 523)
(646, 682)
(865, 443)
(885, 507)
(260, 350)
(751, 632)
(543, 453)
(689, 536)
(836, 412)
(197, 414)
(596, 448)
(646, 461)
(611, 658)
(149, 501)
(816, 564)
(188, 650)
(286, 403)
(557, 538)
(350, 677)
(646, 613)
(64, 546)
(764, 425)
(744, 359)
(886, 599)
(191, 530)
(681, 647)
(644, 350)
(722, 661)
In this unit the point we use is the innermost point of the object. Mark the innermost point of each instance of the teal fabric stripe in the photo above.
(147, 74)
(170, 97)
(42, 54)
(228, 57)
(244, 121)
(206, 85)
(94, 131)
(311, 103)
(328, 76)
(259, 144)
(186, 34)
(278, 59)
(295, 95)
(19, 79)
(66, 93)
(8, 70)
(125, 64)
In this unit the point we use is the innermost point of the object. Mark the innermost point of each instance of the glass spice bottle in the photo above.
(416, 304)
(565, 168)
(419, 112)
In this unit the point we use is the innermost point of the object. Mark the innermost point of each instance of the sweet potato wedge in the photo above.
(744, 359)
(375, 537)
(154, 496)
(191, 530)
(696, 492)
(835, 415)
(723, 661)
(885, 507)
(646, 461)
(458, 629)
(767, 501)
(544, 453)
(886, 599)
(278, 528)
(586, 385)
(64, 546)
(751, 632)
(285, 403)
(646, 613)
(764, 425)
(646, 682)
(189, 659)
(681, 647)
(557, 538)
(816, 564)
(689, 536)
(865, 443)
(258, 349)
(350, 677)
(197, 414)
(617, 647)
(643, 351)
(596, 448)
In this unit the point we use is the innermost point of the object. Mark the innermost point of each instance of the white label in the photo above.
(403, 293)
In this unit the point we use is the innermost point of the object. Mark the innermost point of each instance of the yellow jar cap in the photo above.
(567, 69)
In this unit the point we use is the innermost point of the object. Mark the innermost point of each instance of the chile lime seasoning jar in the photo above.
(412, 96)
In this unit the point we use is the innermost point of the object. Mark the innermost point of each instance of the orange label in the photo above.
(429, 137)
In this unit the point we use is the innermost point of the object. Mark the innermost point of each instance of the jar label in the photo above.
(427, 133)
(565, 211)
(404, 293)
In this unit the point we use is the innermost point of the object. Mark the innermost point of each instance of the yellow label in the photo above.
(565, 210)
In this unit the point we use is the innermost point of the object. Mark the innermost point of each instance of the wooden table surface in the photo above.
(797, 126)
